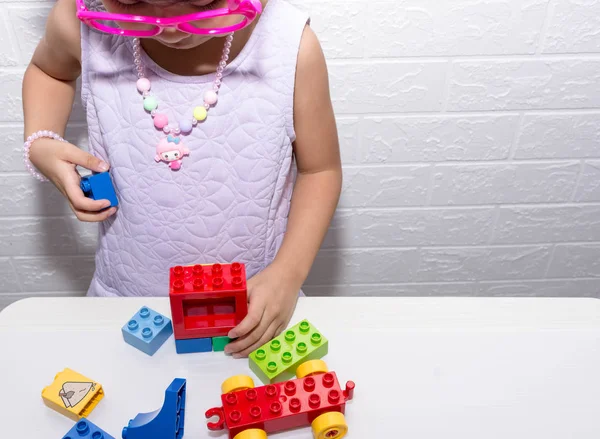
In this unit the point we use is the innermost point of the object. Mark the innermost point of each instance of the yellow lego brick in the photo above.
(72, 394)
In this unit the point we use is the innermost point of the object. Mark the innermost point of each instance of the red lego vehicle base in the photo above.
(281, 406)
(207, 300)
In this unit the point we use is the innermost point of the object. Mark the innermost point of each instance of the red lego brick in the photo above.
(207, 300)
(281, 406)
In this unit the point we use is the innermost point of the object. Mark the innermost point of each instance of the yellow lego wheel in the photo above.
(311, 367)
(253, 433)
(330, 425)
(235, 383)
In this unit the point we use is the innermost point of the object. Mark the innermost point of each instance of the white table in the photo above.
(478, 368)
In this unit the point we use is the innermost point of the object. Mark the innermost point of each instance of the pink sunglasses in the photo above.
(240, 13)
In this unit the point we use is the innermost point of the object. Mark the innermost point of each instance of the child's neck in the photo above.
(200, 60)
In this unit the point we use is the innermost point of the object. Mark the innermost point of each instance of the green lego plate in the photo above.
(277, 360)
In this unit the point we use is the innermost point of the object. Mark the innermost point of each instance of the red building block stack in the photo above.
(207, 301)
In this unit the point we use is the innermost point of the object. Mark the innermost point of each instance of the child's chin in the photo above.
(187, 43)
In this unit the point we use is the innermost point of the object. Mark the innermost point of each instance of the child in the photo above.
(216, 121)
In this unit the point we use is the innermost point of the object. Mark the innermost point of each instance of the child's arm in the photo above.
(273, 292)
(48, 94)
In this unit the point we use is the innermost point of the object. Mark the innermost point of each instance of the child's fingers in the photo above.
(267, 336)
(94, 217)
(251, 321)
(250, 338)
(247, 339)
(279, 330)
(80, 202)
(253, 341)
(79, 157)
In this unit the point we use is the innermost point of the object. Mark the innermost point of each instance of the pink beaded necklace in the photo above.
(171, 148)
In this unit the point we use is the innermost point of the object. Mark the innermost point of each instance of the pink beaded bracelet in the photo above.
(40, 134)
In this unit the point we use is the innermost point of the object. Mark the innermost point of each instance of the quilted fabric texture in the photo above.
(230, 200)
(95, 5)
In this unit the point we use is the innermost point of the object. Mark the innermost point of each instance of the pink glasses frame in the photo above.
(247, 8)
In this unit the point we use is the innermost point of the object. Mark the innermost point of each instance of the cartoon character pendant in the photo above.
(171, 150)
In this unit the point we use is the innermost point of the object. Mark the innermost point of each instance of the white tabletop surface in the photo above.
(480, 368)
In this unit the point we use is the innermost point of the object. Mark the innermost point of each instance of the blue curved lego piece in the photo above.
(165, 423)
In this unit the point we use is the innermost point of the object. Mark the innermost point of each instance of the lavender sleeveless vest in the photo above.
(230, 200)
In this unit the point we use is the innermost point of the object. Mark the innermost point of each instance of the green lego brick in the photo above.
(219, 343)
(277, 360)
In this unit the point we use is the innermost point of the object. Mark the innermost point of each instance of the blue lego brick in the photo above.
(166, 423)
(147, 330)
(84, 429)
(193, 345)
(99, 187)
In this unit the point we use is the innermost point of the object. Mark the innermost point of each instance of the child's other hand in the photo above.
(272, 299)
(57, 161)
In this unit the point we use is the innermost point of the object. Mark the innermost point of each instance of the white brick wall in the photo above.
(470, 132)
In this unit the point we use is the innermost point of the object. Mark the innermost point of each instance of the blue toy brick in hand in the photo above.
(99, 187)
(147, 330)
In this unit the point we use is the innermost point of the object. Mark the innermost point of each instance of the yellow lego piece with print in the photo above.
(72, 394)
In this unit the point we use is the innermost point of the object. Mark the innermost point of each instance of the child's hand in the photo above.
(272, 299)
(57, 161)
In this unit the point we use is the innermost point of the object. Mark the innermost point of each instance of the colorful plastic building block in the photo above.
(84, 429)
(277, 360)
(147, 330)
(207, 300)
(219, 343)
(72, 394)
(193, 345)
(315, 398)
(166, 423)
(99, 187)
